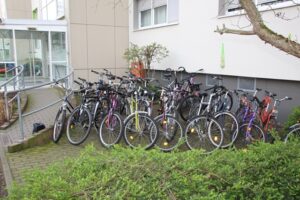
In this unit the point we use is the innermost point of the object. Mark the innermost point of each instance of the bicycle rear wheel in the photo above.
(110, 131)
(187, 107)
(58, 125)
(170, 132)
(140, 130)
(205, 133)
(79, 125)
(256, 134)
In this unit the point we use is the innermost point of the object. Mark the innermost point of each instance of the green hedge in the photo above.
(263, 171)
(293, 118)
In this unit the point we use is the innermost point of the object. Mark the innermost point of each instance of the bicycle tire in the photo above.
(80, 118)
(133, 131)
(170, 132)
(187, 105)
(58, 125)
(203, 132)
(293, 135)
(230, 127)
(115, 121)
(101, 112)
(257, 135)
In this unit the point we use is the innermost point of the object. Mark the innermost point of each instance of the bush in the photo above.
(262, 171)
(293, 118)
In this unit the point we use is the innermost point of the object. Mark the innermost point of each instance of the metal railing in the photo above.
(65, 80)
(18, 81)
(15, 80)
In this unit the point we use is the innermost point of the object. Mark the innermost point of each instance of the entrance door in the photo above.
(33, 53)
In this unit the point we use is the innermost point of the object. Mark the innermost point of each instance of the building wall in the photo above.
(3, 13)
(98, 34)
(17, 9)
(193, 43)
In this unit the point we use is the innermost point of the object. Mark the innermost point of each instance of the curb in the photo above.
(5, 167)
(41, 138)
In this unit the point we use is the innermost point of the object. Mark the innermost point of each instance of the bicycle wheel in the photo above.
(110, 131)
(187, 107)
(101, 112)
(256, 134)
(79, 125)
(205, 133)
(140, 130)
(58, 125)
(230, 127)
(225, 102)
(293, 135)
(170, 132)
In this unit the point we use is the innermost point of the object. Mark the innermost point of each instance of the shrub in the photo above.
(293, 118)
(262, 171)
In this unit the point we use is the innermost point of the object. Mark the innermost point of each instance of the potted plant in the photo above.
(139, 57)
(153, 52)
(133, 55)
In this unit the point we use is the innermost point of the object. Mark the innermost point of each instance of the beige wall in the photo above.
(18, 9)
(98, 36)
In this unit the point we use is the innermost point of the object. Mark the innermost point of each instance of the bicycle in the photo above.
(92, 107)
(140, 130)
(170, 129)
(204, 131)
(61, 117)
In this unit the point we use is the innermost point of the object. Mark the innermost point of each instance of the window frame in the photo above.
(152, 24)
(249, 90)
(210, 76)
(261, 7)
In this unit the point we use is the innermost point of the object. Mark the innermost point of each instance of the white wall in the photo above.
(3, 13)
(193, 43)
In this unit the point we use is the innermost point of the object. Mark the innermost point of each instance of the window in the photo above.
(246, 83)
(160, 15)
(230, 6)
(52, 9)
(145, 18)
(152, 13)
(211, 81)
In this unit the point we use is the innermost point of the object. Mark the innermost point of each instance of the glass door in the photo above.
(7, 62)
(33, 53)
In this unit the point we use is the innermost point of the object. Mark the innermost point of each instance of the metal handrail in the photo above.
(20, 70)
(13, 78)
(22, 136)
(42, 85)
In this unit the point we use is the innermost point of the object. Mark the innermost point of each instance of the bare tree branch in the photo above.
(262, 31)
(233, 31)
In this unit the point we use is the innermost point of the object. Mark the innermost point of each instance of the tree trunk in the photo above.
(266, 34)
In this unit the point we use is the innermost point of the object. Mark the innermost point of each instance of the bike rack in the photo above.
(21, 88)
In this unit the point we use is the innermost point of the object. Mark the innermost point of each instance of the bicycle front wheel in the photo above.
(293, 135)
(140, 130)
(249, 134)
(79, 125)
(110, 130)
(58, 125)
(204, 133)
(230, 127)
(170, 132)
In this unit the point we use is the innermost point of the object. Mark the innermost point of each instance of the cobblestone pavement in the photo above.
(37, 98)
(41, 157)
